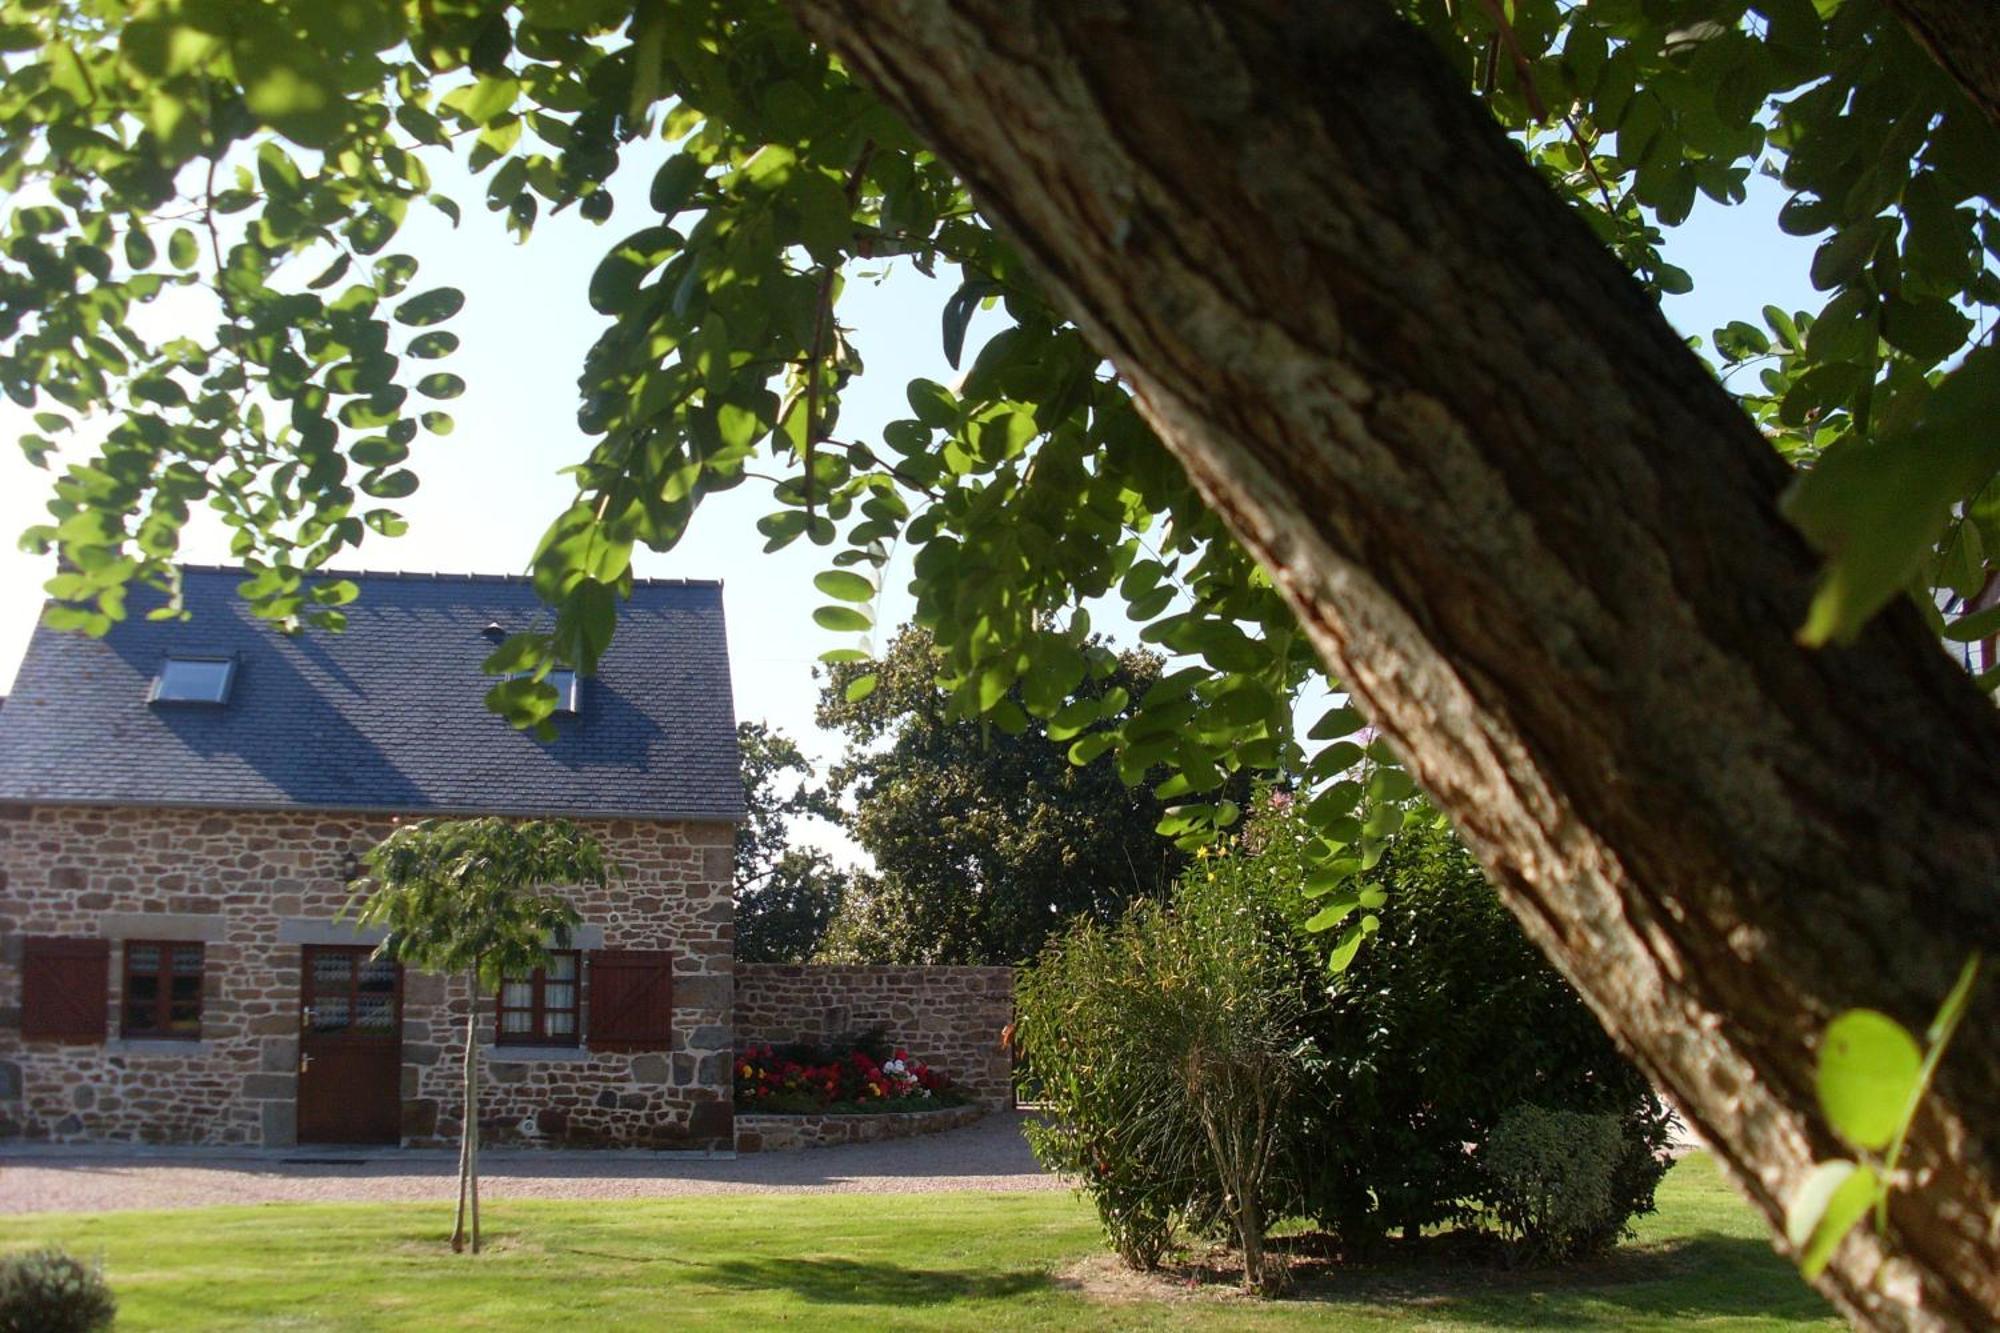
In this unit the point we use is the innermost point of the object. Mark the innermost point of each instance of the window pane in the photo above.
(517, 1022)
(142, 958)
(142, 987)
(330, 1013)
(565, 687)
(184, 1019)
(378, 974)
(559, 995)
(193, 680)
(517, 994)
(332, 971)
(187, 960)
(562, 967)
(561, 1023)
(375, 1013)
(185, 990)
(138, 1016)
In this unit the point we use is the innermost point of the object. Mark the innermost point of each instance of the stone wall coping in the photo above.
(788, 1117)
(323, 930)
(536, 1055)
(882, 969)
(206, 926)
(161, 1046)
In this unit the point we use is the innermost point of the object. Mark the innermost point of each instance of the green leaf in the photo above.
(845, 585)
(485, 101)
(674, 183)
(958, 314)
(1877, 507)
(1342, 721)
(1089, 748)
(432, 307)
(1868, 1070)
(432, 345)
(440, 385)
(1928, 330)
(934, 404)
(841, 619)
(288, 83)
(182, 249)
(1832, 1200)
(1344, 951)
(861, 687)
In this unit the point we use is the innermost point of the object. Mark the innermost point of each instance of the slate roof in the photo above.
(386, 715)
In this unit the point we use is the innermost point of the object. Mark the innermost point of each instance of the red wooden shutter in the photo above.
(65, 988)
(631, 1000)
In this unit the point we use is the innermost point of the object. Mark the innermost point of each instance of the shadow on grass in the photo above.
(1703, 1276)
(857, 1282)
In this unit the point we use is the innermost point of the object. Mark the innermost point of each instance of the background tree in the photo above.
(1388, 400)
(984, 839)
(472, 898)
(786, 896)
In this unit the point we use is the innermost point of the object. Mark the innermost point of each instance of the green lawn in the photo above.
(841, 1261)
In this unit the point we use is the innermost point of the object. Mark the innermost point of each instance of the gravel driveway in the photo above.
(990, 1155)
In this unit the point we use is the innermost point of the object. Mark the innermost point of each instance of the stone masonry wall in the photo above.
(786, 1133)
(239, 881)
(950, 1017)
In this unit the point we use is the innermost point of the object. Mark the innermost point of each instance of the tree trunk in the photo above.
(1964, 37)
(1526, 527)
(464, 1175)
(468, 1134)
(472, 1107)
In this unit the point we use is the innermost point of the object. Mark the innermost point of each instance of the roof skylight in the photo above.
(193, 680)
(569, 693)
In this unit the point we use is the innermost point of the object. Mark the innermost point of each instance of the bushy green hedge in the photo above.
(1395, 1071)
(1552, 1178)
(1169, 1047)
(1446, 1021)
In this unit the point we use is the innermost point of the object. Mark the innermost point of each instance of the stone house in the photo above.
(182, 808)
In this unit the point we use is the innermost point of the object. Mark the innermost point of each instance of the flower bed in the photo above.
(852, 1080)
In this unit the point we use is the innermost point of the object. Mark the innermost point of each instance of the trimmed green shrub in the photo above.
(1447, 1019)
(46, 1291)
(1392, 1072)
(1167, 1050)
(1551, 1180)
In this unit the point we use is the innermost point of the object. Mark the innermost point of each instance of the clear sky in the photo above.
(491, 487)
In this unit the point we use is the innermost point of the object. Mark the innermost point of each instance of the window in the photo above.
(568, 691)
(162, 990)
(194, 680)
(566, 684)
(65, 983)
(541, 1009)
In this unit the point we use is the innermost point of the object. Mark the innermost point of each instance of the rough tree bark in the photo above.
(1964, 37)
(1532, 534)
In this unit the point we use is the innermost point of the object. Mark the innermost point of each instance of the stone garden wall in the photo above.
(253, 887)
(782, 1133)
(950, 1017)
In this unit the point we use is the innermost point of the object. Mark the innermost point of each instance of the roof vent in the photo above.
(494, 631)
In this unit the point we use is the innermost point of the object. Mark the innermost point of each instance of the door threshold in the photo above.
(325, 1161)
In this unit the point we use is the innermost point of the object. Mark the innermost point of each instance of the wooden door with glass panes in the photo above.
(350, 1046)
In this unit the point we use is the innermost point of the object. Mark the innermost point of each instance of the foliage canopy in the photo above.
(263, 158)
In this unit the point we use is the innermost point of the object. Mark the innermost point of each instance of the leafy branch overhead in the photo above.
(261, 160)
